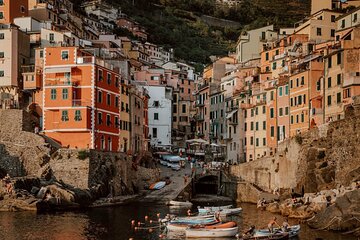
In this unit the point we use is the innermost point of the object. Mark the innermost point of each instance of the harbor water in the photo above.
(115, 223)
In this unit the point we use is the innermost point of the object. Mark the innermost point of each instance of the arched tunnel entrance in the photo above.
(207, 185)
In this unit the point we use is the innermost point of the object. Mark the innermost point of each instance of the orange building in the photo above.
(10, 9)
(80, 99)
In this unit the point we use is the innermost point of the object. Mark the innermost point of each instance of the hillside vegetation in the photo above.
(179, 24)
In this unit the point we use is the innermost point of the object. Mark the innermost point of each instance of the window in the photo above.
(22, 9)
(338, 57)
(65, 55)
(116, 81)
(174, 119)
(256, 111)
(302, 117)
(64, 116)
(53, 94)
(338, 97)
(291, 83)
(318, 31)
(272, 131)
(257, 126)
(51, 37)
(304, 98)
(251, 140)
(302, 81)
(1, 2)
(292, 119)
(108, 99)
(1, 15)
(333, 17)
(108, 120)
(100, 75)
(355, 17)
(299, 99)
(338, 79)
(154, 132)
(184, 108)
(257, 142)
(329, 62)
(252, 126)
(264, 125)
(2, 55)
(156, 104)
(343, 23)
(65, 93)
(116, 101)
(264, 141)
(2, 35)
(108, 78)
(263, 109)
(99, 97)
(156, 116)
(347, 93)
(271, 95)
(280, 91)
(77, 115)
(280, 112)
(245, 127)
(267, 56)
(297, 82)
(99, 119)
(286, 111)
(274, 65)
(252, 112)
(329, 82)
(318, 85)
(271, 112)
(329, 100)
(297, 118)
(332, 34)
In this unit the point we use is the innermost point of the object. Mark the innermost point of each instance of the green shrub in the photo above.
(82, 155)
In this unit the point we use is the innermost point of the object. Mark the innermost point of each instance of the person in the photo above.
(285, 225)
(217, 216)
(271, 225)
(250, 232)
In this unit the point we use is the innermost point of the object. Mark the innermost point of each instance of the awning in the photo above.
(231, 114)
(54, 69)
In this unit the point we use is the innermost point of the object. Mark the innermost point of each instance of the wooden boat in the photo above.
(157, 185)
(224, 212)
(229, 229)
(213, 209)
(275, 236)
(174, 226)
(293, 231)
(180, 204)
(193, 221)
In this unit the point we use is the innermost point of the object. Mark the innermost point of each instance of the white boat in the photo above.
(178, 203)
(211, 233)
(231, 211)
(293, 231)
(213, 209)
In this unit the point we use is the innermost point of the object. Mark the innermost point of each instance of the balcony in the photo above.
(199, 118)
(80, 103)
(199, 104)
(60, 82)
(351, 80)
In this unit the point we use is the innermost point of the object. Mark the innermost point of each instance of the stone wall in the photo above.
(322, 158)
(21, 151)
(102, 172)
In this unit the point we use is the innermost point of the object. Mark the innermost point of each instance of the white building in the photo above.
(160, 115)
(249, 45)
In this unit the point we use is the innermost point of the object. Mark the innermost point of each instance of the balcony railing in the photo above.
(60, 82)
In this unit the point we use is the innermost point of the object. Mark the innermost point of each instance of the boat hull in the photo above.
(293, 231)
(212, 233)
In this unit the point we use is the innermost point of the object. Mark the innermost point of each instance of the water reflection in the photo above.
(115, 223)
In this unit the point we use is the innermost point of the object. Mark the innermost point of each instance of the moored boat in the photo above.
(157, 185)
(218, 208)
(275, 236)
(180, 204)
(193, 221)
(229, 229)
(181, 226)
(292, 231)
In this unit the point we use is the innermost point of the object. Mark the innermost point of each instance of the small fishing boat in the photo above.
(218, 208)
(223, 212)
(228, 229)
(231, 211)
(157, 185)
(193, 221)
(293, 231)
(275, 236)
(182, 226)
(180, 204)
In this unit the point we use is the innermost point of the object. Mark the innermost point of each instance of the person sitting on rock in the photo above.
(271, 225)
